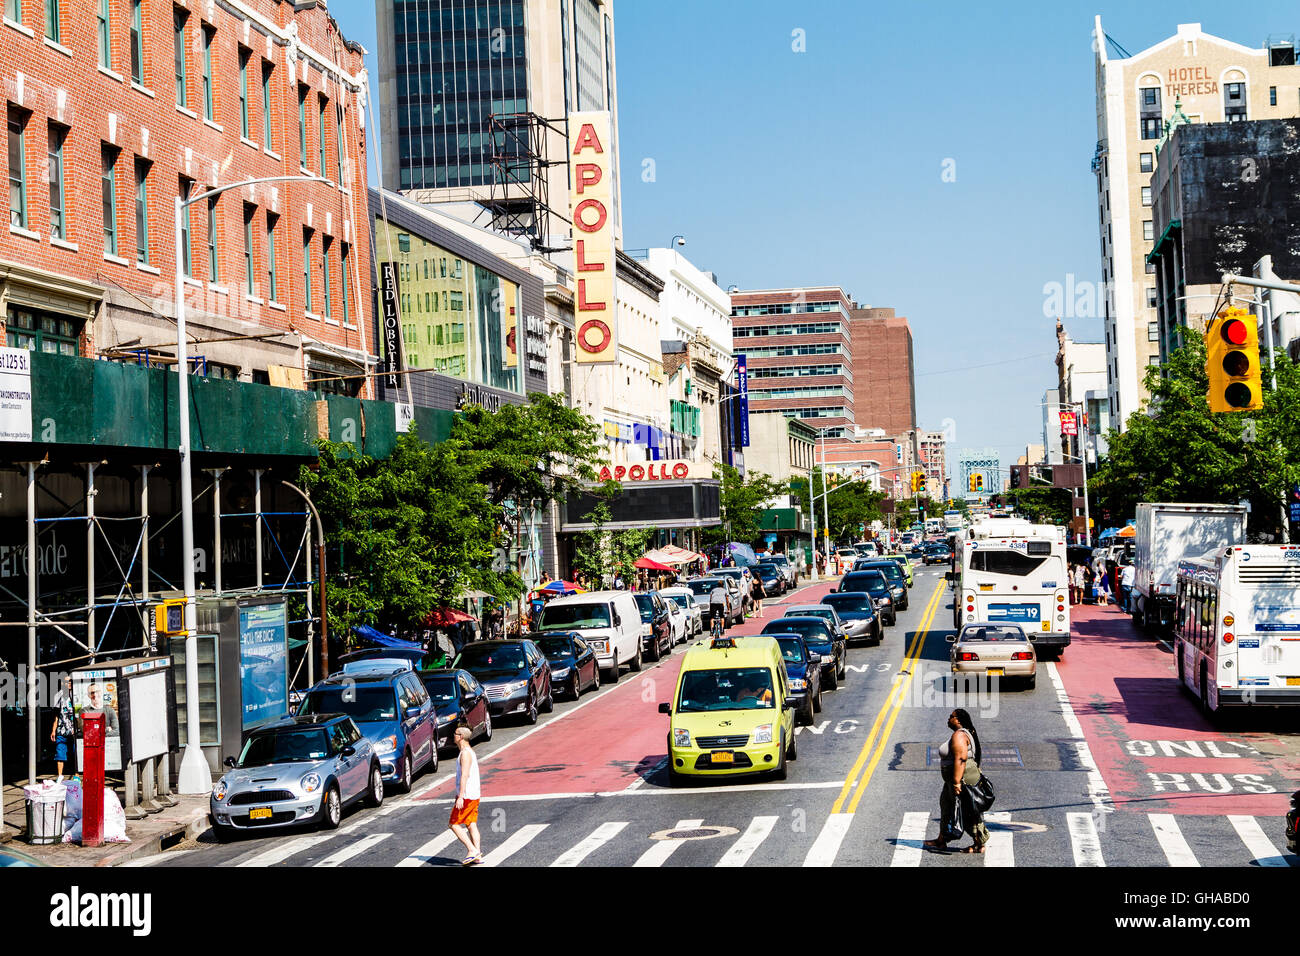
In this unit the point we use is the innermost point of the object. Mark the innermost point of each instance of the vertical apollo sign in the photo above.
(392, 321)
(591, 199)
(742, 403)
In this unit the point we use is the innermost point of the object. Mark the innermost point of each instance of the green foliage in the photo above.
(601, 555)
(741, 500)
(1043, 505)
(1184, 452)
(850, 504)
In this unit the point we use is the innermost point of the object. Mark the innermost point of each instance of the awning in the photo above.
(383, 640)
(671, 554)
(446, 616)
(652, 565)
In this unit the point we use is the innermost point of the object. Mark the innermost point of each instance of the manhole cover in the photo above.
(694, 833)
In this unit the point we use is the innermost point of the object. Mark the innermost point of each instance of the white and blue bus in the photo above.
(1237, 626)
(1012, 571)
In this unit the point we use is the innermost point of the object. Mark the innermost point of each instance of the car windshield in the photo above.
(556, 646)
(870, 581)
(791, 649)
(768, 569)
(493, 660)
(726, 688)
(813, 632)
(360, 703)
(848, 602)
(442, 690)
(780, 559)
(681, 600)
(564, 617)
(290, 745)
(646, 605)
(821, 612)
(702, 585)
(890, 570)
(993, 633)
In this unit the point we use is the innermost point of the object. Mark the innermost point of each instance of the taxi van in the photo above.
(731, 713)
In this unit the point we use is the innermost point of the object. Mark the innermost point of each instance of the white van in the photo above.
(607, 620)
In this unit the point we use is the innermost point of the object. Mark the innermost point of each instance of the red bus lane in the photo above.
(606, 743)
(1154, 749)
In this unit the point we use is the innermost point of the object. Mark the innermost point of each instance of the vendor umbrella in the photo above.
(653, 565)
(447, 616)
(562, 587)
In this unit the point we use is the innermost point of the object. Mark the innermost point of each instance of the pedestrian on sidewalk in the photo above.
(1126, 579)
(1076, 584)
(959, 764)
(65, 726)
(757, 592)
(464, 814)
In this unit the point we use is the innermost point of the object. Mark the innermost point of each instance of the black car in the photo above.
(656, 627)
(514, 673)
(460, 701)
(937, 554)
(874, 583)
(771, 576)
(789, 570)
(821, 639)
(857, 612)
(573, 662)
(803, 674)
(893, 574)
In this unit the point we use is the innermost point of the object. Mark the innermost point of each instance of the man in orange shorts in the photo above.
(464, 815)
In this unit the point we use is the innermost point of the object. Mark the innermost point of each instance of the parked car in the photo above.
(787, 568)
(571, 659)
(514, 673)
(392, 710)
(824, 611)
(302, 769)
(874, 583)
(772, 578)
(608, 620)
(857, 612)
(893, 574)
(821, 640)
(693, 612)
(803, 673)
(994, 650)
(656, 625)
(461, 701)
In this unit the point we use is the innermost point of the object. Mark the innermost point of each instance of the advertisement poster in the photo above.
(15, 394)
(97, 690)
(1069, 425)
(263, 663)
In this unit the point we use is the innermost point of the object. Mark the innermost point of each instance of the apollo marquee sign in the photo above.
(591, 201)
(658, 471)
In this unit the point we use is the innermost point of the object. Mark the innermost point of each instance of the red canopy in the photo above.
(653, 565)
(446, 616)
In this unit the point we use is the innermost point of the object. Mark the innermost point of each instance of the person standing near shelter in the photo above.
(1126, 579)
(65, 726)
(464, 813)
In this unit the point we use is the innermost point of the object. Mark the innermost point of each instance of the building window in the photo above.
(52, 19)
(17, 168)
(270, 257)
(1272, 96)
(338, 144)
(250, 285)
(1151, 297)
(302, 126)
(41, 332)
(1234, 102)
(208, 109)
(1153, 331)
(1146, 162)
(344, 287)
(1151, 127)
(267, 142)
(142, 211)
(214, 272)
(306, 270)
(244, 57)
(187, 259)
(325, 245)
(321, 132)
(1146, 195)
(137, 42)
(108, 193)
(178, 47)
(58, 227)
(105, 37)
(1148, 231)
(1151, 268)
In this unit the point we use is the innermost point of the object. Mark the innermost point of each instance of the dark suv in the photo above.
(514, 673)
(874, 583)
(893, 574)
(656, 626)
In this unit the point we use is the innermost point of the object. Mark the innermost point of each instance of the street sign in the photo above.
(1069, 424)
(1295, 512)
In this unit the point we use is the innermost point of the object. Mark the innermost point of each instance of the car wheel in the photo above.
(675, 779)
(576, 689)
(806, 714)
(404, 786)
(1032, 681)
(487, 726)
(531, 714)
(636, 661)
(780, 773)
(331, 810)
(223, 833)
(375, 792)
(791, 750)
(843, 669)
(611, 675)
(655, 653)
(817, 700)
(832, 682)
(432, 765)
(549, 705)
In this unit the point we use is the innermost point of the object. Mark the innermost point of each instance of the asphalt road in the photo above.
(587, 786)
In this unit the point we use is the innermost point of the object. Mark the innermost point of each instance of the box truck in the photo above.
(1167, 533)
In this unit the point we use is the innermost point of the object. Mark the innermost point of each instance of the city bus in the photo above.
(1237, 626)
(1009, 570)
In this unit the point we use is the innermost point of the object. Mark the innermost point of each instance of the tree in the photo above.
(1044, 505)
(1181, 451)
(740, 500)
(600, 555)
(851, 504)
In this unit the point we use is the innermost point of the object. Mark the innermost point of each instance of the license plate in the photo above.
(996, 671)
(1293, 682)
(722, 756)
(259, 813)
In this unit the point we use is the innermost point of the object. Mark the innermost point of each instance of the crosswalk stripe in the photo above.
(744, 848)
(1084, 840)
(356, 848)
(827, 844)
(907, 848)
(513, 844)
(600, 836)
(1170, 838)
(279, 854)
(1260, 847)
(999, 851)
(430, 850)
(658, 854)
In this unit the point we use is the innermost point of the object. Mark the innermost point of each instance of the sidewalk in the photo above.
(153, 834)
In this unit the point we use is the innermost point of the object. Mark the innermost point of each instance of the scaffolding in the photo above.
(519, 191)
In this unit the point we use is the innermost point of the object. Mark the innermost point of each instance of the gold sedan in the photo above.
(994, 650)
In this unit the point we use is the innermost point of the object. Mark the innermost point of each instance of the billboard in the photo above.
(1069, 425)
(392, 323)
(263, 663)
(591, 193)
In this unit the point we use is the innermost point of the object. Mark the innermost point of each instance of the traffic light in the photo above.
(1232, 362)
(918, 480)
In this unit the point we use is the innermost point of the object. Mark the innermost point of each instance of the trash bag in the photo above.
(114, 822)
(981, 795)
(72, 803)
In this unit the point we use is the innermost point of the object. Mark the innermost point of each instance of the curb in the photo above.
(152, 846)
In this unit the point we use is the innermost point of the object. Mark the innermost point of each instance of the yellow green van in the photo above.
(731, 713)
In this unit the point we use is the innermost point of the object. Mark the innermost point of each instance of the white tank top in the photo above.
(470, 790)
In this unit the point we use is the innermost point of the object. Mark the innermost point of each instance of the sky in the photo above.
(933, 158)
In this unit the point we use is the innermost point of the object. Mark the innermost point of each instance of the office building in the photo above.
(885, 396)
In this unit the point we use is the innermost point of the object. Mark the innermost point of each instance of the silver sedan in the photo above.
(994, 650)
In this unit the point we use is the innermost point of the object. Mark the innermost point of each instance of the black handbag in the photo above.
(981, 795)
(953, 828)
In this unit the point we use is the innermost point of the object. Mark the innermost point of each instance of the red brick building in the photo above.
(116, 107)
(882, 367)
(797, 347)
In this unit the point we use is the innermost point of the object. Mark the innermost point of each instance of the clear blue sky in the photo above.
(825, 167)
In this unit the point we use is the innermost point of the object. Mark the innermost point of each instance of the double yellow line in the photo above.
(877, 739)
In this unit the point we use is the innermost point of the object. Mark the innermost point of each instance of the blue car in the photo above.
(821, 639)
(392, 710)
(803, 673)
(857, 612)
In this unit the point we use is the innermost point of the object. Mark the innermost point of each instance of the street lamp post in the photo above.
(195, 775)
